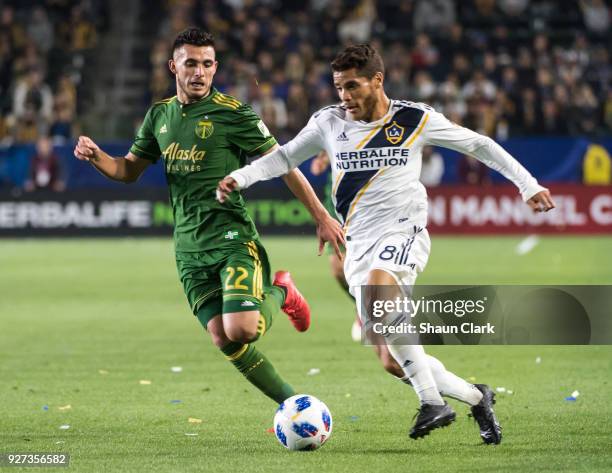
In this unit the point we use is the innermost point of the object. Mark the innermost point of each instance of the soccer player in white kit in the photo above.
(374, 144)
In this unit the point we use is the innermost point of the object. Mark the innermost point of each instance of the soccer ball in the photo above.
(302, 422)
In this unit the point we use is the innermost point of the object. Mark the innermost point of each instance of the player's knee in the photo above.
(241, 334)
(219, 339)
(216, 332)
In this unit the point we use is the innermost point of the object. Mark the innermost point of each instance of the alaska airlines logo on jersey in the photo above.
(175, 153)
(204, 129)
(394, 133)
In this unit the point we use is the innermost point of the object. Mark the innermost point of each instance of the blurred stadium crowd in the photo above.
(502, 67)
(44, 46)
(506, 68)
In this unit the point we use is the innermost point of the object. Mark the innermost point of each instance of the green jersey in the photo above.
(201, 143)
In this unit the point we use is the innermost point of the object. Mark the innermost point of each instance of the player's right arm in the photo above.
(126, 169)
(144, 151)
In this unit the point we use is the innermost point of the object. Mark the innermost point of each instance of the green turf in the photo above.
(69, 309)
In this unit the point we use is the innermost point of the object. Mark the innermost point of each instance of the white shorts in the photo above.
(403, 254)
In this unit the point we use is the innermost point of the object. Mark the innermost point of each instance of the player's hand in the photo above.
(86, 149)
(319, 163)
(542, 201)
(225, 188)
(329, 230)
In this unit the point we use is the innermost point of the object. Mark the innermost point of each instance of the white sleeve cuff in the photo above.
(267, 167)
(239, 178)
(531, 190)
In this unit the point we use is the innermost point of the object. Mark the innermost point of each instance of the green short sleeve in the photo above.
(145, 144)
(249, 133)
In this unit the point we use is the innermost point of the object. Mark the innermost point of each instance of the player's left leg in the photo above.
(451, 385)
(448, 384)
(480, 397)
(250, 304)
(434, 412)
(247, 359)
(337, 269)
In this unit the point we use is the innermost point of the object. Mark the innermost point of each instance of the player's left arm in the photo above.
(442, 132)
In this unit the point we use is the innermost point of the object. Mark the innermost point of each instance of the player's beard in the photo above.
(369, 105)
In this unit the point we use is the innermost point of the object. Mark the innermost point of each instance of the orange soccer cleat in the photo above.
(295, 305)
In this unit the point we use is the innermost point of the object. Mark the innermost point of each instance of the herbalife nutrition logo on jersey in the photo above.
(174, 152)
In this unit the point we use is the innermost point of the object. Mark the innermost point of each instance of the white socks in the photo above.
(452, 385)
(413, 361)
(449, 384)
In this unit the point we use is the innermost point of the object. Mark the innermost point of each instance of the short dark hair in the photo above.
(195, 37)
(362, 57)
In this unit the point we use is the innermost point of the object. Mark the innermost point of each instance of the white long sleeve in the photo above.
(306, 144)
(441, 132)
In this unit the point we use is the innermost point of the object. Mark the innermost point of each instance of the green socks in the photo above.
(258, 370)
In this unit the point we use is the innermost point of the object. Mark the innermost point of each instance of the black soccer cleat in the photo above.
(430, 417)
(490, 430)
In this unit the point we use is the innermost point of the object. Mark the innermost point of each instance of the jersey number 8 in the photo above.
(388, 253)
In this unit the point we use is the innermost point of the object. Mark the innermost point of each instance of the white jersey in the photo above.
(376, 165)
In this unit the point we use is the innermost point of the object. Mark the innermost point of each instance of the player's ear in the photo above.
(378, 79)
(172, 66)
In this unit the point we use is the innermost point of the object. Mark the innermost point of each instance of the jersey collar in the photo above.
(203, 100)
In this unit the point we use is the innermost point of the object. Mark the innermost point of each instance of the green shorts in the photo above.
(329, 206)
(226, 280)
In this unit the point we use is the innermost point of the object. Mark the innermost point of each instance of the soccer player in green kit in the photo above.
(202, 135)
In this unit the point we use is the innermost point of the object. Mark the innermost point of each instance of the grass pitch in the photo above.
(84, 322)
